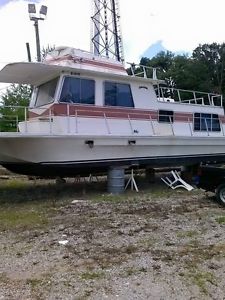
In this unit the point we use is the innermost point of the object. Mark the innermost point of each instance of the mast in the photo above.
(106, 38)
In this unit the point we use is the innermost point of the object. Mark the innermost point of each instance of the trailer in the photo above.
(212, 178)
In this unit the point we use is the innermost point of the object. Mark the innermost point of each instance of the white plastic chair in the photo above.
(176, 182)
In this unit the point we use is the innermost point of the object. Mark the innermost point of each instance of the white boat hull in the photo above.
(68, 155)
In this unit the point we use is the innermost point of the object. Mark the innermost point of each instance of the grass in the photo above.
(22, 191)
(3, 278)
(25, 205)
(14, 218)
(201, 279)
(188, 234)
(34, 282)
(133, 271)
(92, 275)
(220, 220)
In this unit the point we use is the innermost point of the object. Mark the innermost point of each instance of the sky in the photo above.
(180, 26)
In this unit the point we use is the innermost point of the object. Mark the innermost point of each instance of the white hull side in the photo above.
(19, 148)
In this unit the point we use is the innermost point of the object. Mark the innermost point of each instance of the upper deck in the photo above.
(89, 83)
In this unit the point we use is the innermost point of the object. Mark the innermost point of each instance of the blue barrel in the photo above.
(116, 180)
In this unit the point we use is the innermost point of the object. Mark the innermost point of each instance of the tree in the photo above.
(190, 74)
(213, 57)
(204, 70)
(162, 61)
(13, 106)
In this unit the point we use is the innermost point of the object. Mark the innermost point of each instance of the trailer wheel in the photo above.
(220, 193)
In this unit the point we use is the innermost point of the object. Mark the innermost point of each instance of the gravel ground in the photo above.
(155, 244)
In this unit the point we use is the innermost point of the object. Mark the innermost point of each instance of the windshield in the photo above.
(46, 92)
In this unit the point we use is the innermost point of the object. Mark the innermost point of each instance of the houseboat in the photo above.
(87, 114)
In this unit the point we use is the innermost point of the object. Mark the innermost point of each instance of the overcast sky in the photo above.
(180, 25)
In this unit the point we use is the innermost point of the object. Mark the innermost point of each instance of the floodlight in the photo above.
(43, 10)
(31, 8)
(33, 17)
(32, 11)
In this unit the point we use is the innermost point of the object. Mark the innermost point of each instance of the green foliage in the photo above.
(220, 220)
(213, 56)
(204, 70)
(12, 106)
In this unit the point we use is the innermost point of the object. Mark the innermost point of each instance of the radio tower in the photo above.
(106, 33)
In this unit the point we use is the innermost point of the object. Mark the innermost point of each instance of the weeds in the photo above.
(19, 219)
(220, 220)
(189, 234)
(33, 282)
(92, 275)
(201, 279)
(133, 271)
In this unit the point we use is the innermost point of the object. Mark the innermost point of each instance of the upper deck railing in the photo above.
(143, 71)
(170, 94)
(166, 94)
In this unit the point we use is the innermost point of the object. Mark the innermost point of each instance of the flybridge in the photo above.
(76, 58)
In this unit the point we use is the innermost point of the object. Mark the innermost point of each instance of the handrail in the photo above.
(132, 130)
(50, 120)
(191, 130)
(143, 71)
(171, 124)
(68, 117)
(107, 124)
(107, 117)
(153, 129)
(221, 126)
(76, 121)
(189, 96)
(206, 125)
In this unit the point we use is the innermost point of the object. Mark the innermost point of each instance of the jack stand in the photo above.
(132, 182)
(91, 178)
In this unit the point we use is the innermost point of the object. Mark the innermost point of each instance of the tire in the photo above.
(220, 193)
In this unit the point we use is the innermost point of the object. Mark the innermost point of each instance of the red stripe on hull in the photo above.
(62, 109)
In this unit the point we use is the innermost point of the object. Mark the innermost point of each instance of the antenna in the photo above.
(106, 36)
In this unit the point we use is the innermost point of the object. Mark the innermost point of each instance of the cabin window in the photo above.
(118, 94)
(165, 116)
(206, 122)
(78, 90)
(46, 92)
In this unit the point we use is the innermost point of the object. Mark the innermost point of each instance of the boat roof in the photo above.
(36, 73)
(28, 73)
(69, 60)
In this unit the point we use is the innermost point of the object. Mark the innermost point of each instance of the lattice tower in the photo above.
(106, 37)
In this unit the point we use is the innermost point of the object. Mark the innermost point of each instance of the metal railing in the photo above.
(165, 94)
(206, 125)
(143, 71)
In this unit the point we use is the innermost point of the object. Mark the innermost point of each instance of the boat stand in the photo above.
(175, 181)
(92, 178)
(132, 182)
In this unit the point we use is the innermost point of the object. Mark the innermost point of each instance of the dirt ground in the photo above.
(75, 242)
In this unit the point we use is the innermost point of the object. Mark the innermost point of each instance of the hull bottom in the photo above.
(85, 168)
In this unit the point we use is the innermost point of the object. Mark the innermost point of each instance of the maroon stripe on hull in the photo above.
(62, 109)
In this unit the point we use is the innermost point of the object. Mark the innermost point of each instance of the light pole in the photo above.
(35, 18)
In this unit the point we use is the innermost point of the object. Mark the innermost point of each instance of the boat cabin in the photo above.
(76, 92)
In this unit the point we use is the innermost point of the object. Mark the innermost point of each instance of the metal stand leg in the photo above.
(132, 182)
